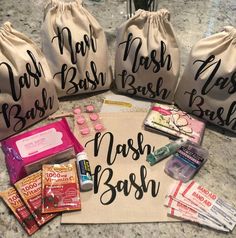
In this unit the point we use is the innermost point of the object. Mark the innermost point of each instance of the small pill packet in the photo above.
(88, 120)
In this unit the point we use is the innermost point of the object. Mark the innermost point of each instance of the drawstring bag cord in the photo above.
(148, 5)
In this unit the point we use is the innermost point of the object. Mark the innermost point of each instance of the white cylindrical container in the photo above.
(84, 171)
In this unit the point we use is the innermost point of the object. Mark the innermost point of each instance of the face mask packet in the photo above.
(30, 190)
(60, 188)
(22, 214)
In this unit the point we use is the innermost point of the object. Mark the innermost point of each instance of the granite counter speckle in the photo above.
(192, 19)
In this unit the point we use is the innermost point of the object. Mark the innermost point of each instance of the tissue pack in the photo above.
(27, 152)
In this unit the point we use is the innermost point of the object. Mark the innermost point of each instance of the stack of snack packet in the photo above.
(195, 203)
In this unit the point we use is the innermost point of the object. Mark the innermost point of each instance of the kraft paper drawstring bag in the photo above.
(76, 49)
(147, 59)
(27, 93)
(207, 88)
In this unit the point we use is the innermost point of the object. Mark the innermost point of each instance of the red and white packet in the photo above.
(176, 194)
(224, 212)
(195, 217)
(195, 203)
(180, 210)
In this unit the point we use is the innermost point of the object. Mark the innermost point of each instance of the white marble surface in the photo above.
(192, 19)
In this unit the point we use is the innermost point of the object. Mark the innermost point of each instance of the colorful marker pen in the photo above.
(165, 151)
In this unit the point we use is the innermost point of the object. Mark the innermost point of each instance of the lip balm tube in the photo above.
(165, 151)
(84, 171)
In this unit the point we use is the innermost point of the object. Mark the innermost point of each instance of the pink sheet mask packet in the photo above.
(27, 152)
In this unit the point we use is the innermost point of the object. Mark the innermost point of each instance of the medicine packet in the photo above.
(210, 203)
(30, 190)
(175, 194)
(194, 202)
(22, 214)
(60, 188)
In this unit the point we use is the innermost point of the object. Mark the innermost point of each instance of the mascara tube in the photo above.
(165, 151)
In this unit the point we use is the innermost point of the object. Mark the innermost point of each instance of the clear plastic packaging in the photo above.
(185, 163)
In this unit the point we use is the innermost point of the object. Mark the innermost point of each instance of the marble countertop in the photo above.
(192, 19)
